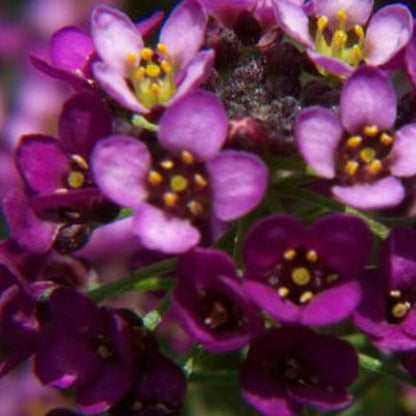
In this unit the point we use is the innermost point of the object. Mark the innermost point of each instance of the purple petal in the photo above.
(368, 98)
(183, 32)
(196, 74)
(42, 163)
(159, 231)
(385, 193)
(196, 123)
(115, 37)
(404, 151)
(330, 64)
(115, 85)
(70, 48)
(318, 133)
(149, 25)
(410, 59)
(121, 165)
(388, 31)
(238, 181)
(294, 21)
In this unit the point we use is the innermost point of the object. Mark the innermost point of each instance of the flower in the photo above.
(139, 77)
(211, 302)
(306, 275)
(357, 147)
(351, 39)
(195, 186)
(293, 366)
(387, 312)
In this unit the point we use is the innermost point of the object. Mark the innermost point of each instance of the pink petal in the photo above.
(404, 151)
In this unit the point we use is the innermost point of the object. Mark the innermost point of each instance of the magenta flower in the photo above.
(357, 148)
(139, 77)
(290, 367)
(343, 37)
(173, 194)
(306, 275)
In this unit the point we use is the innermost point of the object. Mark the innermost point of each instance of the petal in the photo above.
(318, 133)
(410, 59)
(183, 32)
(159, 231)
(121, 165)
(70, 48)
(196, 123)
(149, 25)
(388, 31)
(293, 20)
(385, 193)
(238, 182)
(42, 163)
(330, 64)
(404, 152)
(84, 119)
(368, 98)
(115, 85)
(115, 36)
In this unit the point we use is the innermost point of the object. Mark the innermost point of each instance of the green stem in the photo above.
(223, 377)
(139, 121)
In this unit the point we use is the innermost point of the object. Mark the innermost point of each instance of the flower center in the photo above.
(398, 306)
(151, 75)
(364, 158)
(180, 186)
(339, 42)
(78, 175)
(300, 274)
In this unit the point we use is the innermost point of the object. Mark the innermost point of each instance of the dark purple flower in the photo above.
(139, 77)
(341, 38)
(387, 310)
(357, 148)
(306, 275)
(210, 301)
(289, 367)
(196, 183)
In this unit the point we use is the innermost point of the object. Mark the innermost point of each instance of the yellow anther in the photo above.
(399, 310)
(131, 58)
(386, 139)
(301, 276)
(341, 15)
(367, 154)
(161, 48)
(80, 161)
(371, 131)
(166, 67)
(351, 167)
(357, 55)
(312, 256)
(283, 291)
(170, 199)
(306, 297)
(146, 54)
(140, 73)
(178, 183)
(153, 70)
(395, 293)
(359, 31)
(155, 178)
(332, 278)
(375, 166)
(167, 164)
(354, 141)
(195, 208)
(338, 40)
(154, 89)
(322, 23)
(187, 157)
(200, 181)
(289, 254)
(76, 179)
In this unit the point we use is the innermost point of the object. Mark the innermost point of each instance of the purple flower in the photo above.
(290, 367)
(173, 194)
(357, 147)
(341, 38)
(210, 301)
(306, 275)
(139, 77)
(387, 310)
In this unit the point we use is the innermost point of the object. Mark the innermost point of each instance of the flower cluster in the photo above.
(232, 187)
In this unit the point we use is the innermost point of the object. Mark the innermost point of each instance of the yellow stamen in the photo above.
(161, 48)
(153, 70)
(341, 15)
(170, 199)
(386, 139)
(76, 179)
(351, 167)
(283, 291)
(312, 256)
(322, 23)
(356, 55)
(354, 141)
(200, 181)
(375, 166)
(187, 157)
(140, 73)
(155, 178)
(338, 40)
(195, 208)
(399, 310)
(80, 161)
(367, 154)
(301, 276)
(371, 131)
(167, 164)
(178, 183)
(131, 58)
(166, 67)
(305, 297)
(289, 254)
(154, 89)
(146, 54)
(359, 31)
